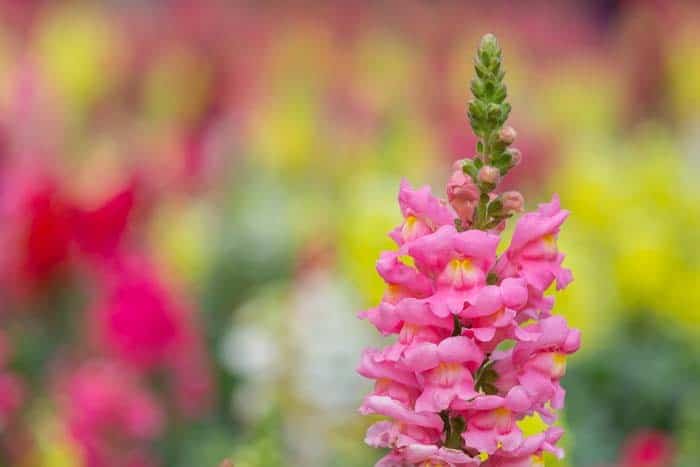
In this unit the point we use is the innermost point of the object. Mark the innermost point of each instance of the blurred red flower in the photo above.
(648, 449)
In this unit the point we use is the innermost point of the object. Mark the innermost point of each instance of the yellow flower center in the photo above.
(394, 293)
(446, 374)
(550, 242)
(501, 413)
(558, 365)
(461, 265)
(382, 384)
(536, 461)
(461, 272)
(411, 227)
(408, 332)
(503, 419)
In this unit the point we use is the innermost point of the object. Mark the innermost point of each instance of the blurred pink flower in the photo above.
(138, 319)
(148, 326)
(648, 449)
(12, 392)
(110, 414)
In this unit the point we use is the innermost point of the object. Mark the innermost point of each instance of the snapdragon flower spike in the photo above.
(450, 394)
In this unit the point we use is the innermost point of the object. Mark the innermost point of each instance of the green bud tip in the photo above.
(489, 43)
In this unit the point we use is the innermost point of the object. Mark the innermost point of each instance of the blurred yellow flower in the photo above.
(78, 48)
(630, 234)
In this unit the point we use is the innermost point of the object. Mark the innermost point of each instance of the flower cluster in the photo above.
(478, 348)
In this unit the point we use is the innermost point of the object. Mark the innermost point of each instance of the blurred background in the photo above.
(193, 195)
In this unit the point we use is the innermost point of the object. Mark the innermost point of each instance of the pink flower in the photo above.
(429, 370)
(533, 252)
(494, 310)
(109, 413)
(138, 319)
(458, 262)
(418, 324)
(403, 280)
(448, 321)
(146, 325)
(425, 455)
(383, 317)
(406, 429)
(384, 405)
(12, 393)
(648, 449)
(529, 454)
(548, 335)
(392, 378)
(445, 370)
(463, 195)
(537, 364)
(492, 421)
(422, 212)
(452, 396)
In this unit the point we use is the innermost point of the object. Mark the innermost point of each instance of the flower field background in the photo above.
(193, 196)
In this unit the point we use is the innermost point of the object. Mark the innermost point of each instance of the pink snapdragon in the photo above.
(533, 252)
(445, 370)
(530, 453)
(427, 455)
(423, 214)
(451, 395)
(457, 262)
(442, 279)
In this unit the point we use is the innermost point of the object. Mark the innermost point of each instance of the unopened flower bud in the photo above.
(515, 156)
(460, 186)
(458, 164)
(489, 175)
(507, 134)
(512, 202)
(226, 463)
(462, 194)
(489, 44)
